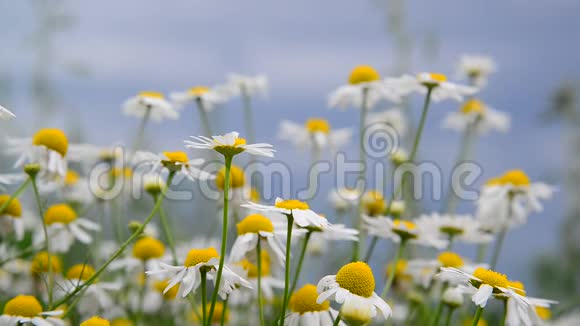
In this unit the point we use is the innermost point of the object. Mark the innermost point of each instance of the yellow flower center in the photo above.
(240, 141)
(490, 277)
(494, 181)
(304, 300)
(517, 286)
(121, 322)
(544, 313)
(80, 272)
(373, 203)
(400, 269)
(357, 278)
(59, 213)
(40, 263)
(197, 256)
(125, 172)
(176, 157)
(151, 94)
(23, 306)
(404, 229)
(292, 204)
(95, 321)
(255, 223)
(469, 322)
(254, 195)
(217, 314)
(317, 125)
(237, 177)
(438, 77)
(147, 248)
(450, 259)
(516, 178)
(53, 139)
(71, 178)
(160, 286)
(363, 74)
(252, 269)
(198, 90)
(13, 209)
(473, 106)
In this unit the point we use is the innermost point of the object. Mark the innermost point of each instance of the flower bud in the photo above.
(32, 169)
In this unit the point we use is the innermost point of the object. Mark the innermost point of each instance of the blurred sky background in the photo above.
(113, 49)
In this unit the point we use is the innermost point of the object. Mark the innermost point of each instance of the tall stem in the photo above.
(204, 297)
(167, 231)
(440, 305)
(46, 240)
(300, 260)
(228, 165)
(141, 130)
(449, 316)
(287, 267)
(497, 249)
(393, 269)
(504, 315)
(247, 100)
(224, 311)
(465, 154)
(204, 117)
(477, 316)
(15, 194)
(337, 320)
(362, 175)
(260, 300)
(139, 317)
(371, 249)
(121, 249)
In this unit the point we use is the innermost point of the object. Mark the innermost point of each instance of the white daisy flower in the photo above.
(188, 276)
(305, 311)
(24, 309)
(249, 271)
(476, 68)
(247, 85)
(343, 199)
(441, 89)
(254, 228)
(392, 118)
(230, 144)
(399, 230)
(525, 314)
(206, 98)
(315, 134)
(300, 211)
(486, 282)
(48, 148)
(147, 251)
(151, 106)
(10, 179)
(423, 271)
(363, 80)
(11, 217)
(353, 284)
(64, 227)
(88, 154)
(476, 114)
(508, 200)
(172, 161)
(454, 227)
(5, 114)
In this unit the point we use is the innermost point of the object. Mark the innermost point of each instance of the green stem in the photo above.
(465, 154)
(481, 252)
(450, 243)
(497, 249)
(204, 118)
(449, 316)
(224, 310)
(260, 299)
(371, 249)
(141, 130)
(204, 297)
(362, 175)
(141, 302)
(248, 116)
(393, 270)
(504, 316)
(300, 260)
(287, 267)
(337, 320)
(477, 316)
(228, 165)
(167, 231)
(46, 240)
(438, 314)
(15, 194)
(121, 249)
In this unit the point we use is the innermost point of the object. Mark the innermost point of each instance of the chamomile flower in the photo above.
(373, 203)
(147, 251)
(299, 210)
(40, 264)
(10, 179)
(306, 311)
(172, 161)
(525, 314)
(423, 271)
(315, 134)
(354, 283)
(486, 282)
(254, 228)
(230, 144)
(207, 98)
(6, 114)
(343, 199)
(441, 89)
(249, 271)
(508, 200)
(26, 309)
(476, 68)
(389, 118)
(363, 80)
(247, 85)
(11, 216)
(150, 105)
(454, 227)
(64, 227)
(399, 230)
(476, 114)
(188, 276)
(48, 148)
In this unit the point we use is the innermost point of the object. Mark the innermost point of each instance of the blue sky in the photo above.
(307, 48)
